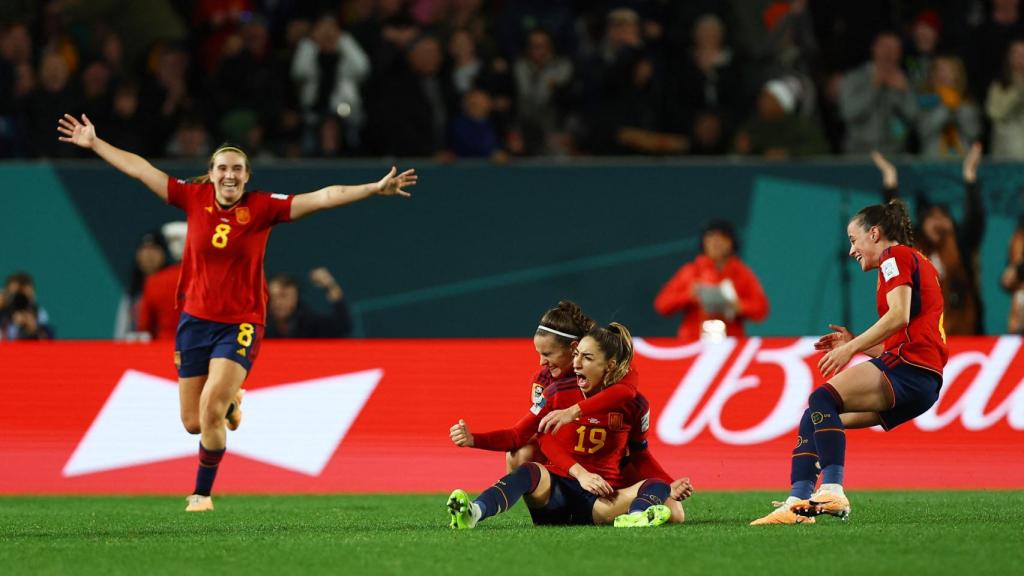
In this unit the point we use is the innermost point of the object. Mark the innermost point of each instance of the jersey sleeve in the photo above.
(640, 413)
(614, 396)
(279, 208)
(896, 269)
(510, 438)
(180, 193)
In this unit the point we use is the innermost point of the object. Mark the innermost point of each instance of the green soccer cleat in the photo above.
(654, 516)
(460, 509)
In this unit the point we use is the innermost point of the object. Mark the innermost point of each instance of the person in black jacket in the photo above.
(288, 318)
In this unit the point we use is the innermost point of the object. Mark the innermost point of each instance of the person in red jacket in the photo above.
(159, 309)
(716, 292)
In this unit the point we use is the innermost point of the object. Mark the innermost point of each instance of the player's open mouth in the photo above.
(581, 380)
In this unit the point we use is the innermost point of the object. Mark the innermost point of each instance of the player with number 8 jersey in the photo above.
(222, 278)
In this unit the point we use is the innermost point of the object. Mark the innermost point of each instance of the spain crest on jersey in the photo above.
(242, 215)
(615, 420)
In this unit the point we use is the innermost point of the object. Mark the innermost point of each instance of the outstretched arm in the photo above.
(333, 196)
(83, 133)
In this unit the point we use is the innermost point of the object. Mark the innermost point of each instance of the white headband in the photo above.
(553, 331)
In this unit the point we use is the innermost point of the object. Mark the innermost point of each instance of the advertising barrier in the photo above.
(373, 416)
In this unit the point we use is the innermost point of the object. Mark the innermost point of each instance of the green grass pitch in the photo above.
(928, 533)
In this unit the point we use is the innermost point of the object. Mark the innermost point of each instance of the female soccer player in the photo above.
(555, 339)
(901, 381)
(222, 278)
(583, 483)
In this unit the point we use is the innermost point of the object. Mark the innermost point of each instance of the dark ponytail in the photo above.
(566, 318)
(892, 218)
(617, 344)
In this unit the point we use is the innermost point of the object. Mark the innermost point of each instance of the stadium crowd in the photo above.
(500, 78)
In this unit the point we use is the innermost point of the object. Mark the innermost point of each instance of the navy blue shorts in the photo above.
(569, 504)
(914, 390)
(198, 340)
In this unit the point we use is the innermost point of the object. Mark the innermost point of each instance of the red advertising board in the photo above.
(358, 416)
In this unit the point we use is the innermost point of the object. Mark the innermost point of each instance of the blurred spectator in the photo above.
(140, 25)
(776, 131)
(987, 46)
(17, 80)
(621, 88)
(472, 133)
(408, 111)
(716, 292)
(708, 136)
(288, 317)
(707, 83)
(876, 101)
(329, 68)
(216, 23)
(248, 94)
(24, 324)
(1005, 106)
(189, 140)
(1012, 279)
(150, 256)
(159, 307)
(951, 247)
(21, 317)
(95, 94)
(51, 99)
(468, 68)
(165, 97)
(923, 47)
(122, 128)
(540, 76)
(788, 44)
(948, 120)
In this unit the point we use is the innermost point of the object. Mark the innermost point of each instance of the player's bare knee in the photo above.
(214, 414)
(191, 424)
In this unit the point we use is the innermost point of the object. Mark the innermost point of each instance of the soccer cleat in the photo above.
(460, 509)
(654, 516)
(823, 502)
(199, 503)
(234, 415)
(781, 515)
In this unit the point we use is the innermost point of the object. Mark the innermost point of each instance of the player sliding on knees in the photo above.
(902, 380)
(583, 481)
(222, 283)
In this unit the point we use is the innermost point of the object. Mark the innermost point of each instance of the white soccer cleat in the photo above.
(199, 503)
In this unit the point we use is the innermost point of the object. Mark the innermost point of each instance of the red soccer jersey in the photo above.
(159, 311)
(598, 442)
(222, 267)
(923, 342)
(520, 434)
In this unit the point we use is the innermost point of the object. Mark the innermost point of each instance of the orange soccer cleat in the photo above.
(198, 503)
(781, 515)
(833, 503)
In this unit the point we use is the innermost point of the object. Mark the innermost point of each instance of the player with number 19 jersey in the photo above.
(222, 275)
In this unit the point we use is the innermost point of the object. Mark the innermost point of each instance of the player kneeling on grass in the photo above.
(907, 346)
(583, 482)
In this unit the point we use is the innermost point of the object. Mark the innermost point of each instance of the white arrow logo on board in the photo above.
(296, 426)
